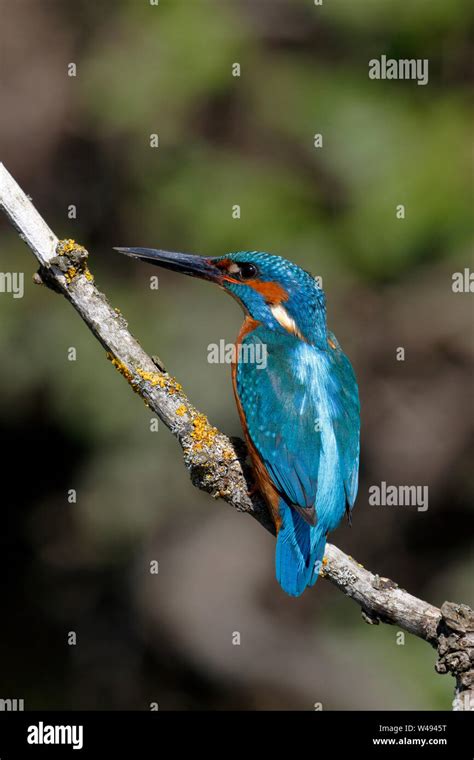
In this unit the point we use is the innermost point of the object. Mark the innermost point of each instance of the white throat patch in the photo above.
(283, 318)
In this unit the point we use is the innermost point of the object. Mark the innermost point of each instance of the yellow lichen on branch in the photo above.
(122, 368)
(203, 434)
(163, 381)
(79, 256)
(69, 245)
(154, 378)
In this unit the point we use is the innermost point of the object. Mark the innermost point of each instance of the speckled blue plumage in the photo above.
(302, 416)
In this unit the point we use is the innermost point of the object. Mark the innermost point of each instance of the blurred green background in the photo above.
(225, 140)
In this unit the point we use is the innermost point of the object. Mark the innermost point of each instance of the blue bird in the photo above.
(299, 407)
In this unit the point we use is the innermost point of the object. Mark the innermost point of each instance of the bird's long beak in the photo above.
(196, 266)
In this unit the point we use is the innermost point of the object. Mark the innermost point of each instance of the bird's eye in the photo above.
(247, 270)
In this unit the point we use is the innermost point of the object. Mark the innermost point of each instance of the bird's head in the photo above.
(270, 289)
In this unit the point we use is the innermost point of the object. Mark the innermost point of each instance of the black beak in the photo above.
(196, 266)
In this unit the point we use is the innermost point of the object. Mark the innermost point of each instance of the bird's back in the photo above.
(300, 412)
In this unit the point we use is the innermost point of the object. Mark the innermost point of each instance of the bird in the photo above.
(299, 409)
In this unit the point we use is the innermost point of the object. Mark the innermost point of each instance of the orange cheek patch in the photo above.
(271, 291)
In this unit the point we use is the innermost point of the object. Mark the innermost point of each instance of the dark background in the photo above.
(84, 140)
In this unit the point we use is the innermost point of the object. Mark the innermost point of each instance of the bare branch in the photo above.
(217, 464)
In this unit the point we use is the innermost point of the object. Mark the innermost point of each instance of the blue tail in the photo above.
(299, 547)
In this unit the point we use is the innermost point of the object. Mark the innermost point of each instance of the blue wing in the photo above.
(346, 419)
(281, 416)
(302, 414)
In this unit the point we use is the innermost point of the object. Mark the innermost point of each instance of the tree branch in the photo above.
(216, 463)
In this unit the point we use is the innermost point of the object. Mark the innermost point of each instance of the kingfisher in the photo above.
(299, 408)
